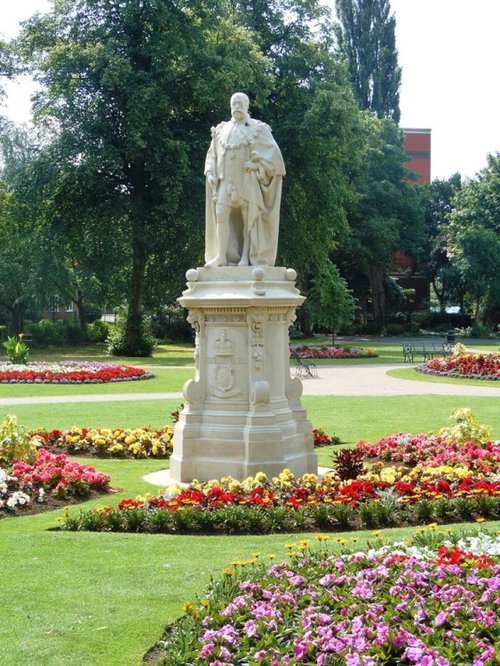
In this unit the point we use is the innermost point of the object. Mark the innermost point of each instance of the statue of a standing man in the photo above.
(244, 171)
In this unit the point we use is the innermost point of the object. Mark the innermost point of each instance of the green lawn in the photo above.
(104, 599)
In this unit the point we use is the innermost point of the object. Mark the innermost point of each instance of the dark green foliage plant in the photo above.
(98, 331)
(118, 342)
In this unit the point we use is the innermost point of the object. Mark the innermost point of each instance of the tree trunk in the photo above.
(78, 301)
(378, 295)
(17, 312)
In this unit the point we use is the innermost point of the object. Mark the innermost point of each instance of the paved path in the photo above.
(344, 380)
(374, 380)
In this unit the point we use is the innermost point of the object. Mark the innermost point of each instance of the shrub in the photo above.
(480, 331)
(171, 323)
(46, 332)
(98, 331)
(393, 330)
(118, 345)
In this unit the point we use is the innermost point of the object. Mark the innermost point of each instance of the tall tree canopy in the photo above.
(129, 89)
(130, 92)
(367, 40)
(436, 264)
(386, 216)
(474, 241)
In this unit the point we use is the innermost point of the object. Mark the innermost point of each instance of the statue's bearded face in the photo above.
(239, 106)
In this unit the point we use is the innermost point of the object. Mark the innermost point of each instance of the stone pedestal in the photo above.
(242, 412)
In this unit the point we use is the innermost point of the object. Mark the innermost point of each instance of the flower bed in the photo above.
(124, 442)
(398, 604)
(471, 366)
(107, 442)
(433, 478)
(47, 482)
(335, 352)
(70, 372)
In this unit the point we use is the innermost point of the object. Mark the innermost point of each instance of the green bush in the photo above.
(117, 344)
(390, 330)
(480, 331)
(170, 323)
(58, 332)
(98, 331)
(46, 332)
(3, 333)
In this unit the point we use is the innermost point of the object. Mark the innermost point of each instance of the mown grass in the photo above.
(414, 375)
(104, 599)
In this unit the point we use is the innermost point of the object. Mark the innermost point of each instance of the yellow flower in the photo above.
(321, 537)
(227, 572)
(260, 477)
(271, 556)
(187, 607)
(480, 520)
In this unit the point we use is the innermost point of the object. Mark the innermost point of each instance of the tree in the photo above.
(474, 241)
(129, 90)
(366, 39)
(385, 217)
(315, 120)
(435, 263)
(23, 264)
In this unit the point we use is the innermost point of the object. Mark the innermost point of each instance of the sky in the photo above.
(449, 54)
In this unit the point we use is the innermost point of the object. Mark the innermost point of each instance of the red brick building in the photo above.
(417, 145)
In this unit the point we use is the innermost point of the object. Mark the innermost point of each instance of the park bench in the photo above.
(426, 350)
(304, 366)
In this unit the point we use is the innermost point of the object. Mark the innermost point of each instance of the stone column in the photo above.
(242, 412)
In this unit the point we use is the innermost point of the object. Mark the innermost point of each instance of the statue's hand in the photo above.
(250, 166)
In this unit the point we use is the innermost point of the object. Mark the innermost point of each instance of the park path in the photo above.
(345, 380)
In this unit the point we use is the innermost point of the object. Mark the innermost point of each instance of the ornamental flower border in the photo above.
(464, 366)
(124, 442)
(70, 372)
(48, 480)
(109, 442)
(396, 604)
(432, 478)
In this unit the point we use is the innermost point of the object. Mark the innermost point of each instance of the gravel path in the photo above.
(344, 380)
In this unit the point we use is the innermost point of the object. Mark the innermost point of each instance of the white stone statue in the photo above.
(244, 171)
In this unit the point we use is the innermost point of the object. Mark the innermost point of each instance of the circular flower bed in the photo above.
(394, 605)
(334, 352)
(471, 366)
(70, 372)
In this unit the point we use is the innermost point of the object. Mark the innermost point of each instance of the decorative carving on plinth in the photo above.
(224, 368)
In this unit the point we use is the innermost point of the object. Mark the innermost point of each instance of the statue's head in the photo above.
(239, 105)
